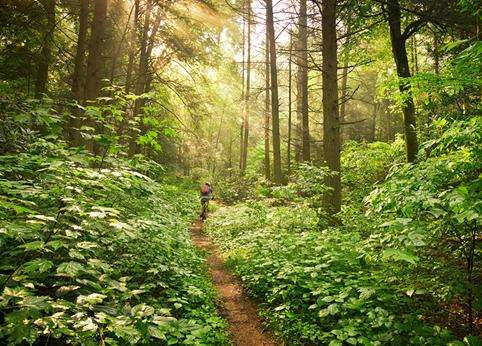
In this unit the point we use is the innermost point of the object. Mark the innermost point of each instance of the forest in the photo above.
(342, 141)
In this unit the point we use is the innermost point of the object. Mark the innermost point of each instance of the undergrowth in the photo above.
(98, 255)
(402, 267)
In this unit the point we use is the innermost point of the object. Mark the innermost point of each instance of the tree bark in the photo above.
(303, 82)
(133, 47)
(267, 167)
(331, 120)
(143, 58)
(436, 53)
(288, 158)
(398, 42)
(79, 68)
(344, 89)
(247, 107)
(243, 63)
(278, 174)
(414, 55)
(46, 51)
(94, 60)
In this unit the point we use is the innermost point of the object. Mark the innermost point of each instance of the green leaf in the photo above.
(37, 266)
(34, 245)
(399, 255)
(71, 269)
(142, 310)
(91, 299)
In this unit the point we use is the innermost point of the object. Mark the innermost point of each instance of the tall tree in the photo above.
(79, 68)
(267, 167)
(399, 50)
(288, 149)
(331, 120)
(436, 53)
(133, 46)
(46, 50)
(277, 172)
(344, 82)
(247, 108)
(243, 69)
(143, 55)
(303, 82)
(94, 60)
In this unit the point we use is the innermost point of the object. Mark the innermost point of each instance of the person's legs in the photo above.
(204, 209)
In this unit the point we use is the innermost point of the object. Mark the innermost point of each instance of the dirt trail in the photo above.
(242, 314)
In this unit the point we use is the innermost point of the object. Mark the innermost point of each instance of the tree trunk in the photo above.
(267, 167)
(120, 45)
(241, 136)
(94, 60)
(331, 121)
(230, 153)
(303, 82)
(344, 89)
(143, 58)
(373, 124)
(133, 47)
(79, 68)
(247, 107)
(414, 55)
(399, 50)
(436, 53)
(278, 174)
(288, 158)
(46, 52)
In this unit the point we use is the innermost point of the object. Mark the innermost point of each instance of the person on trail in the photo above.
(206, 196)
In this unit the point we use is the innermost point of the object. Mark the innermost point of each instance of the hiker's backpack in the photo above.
(205, 189)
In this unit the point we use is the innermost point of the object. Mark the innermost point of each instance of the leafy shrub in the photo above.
(231, 188)
(317, 287)
(432, 212)
(95, 256)
(365, 164)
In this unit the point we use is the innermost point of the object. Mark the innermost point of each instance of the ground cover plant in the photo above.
(406, 272)
(342, 140)
(98, 255)
(317, 288)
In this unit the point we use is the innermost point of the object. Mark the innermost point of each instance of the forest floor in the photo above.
(236, 307)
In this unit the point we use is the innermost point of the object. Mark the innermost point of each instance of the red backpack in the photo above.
(205, 189)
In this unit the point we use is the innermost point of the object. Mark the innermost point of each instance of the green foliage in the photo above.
(95, 256)
(433, 210)
(397, 275)
(231, 189)
(365, 164)
(319, 287)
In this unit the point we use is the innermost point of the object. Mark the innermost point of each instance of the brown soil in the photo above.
(245, 326)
